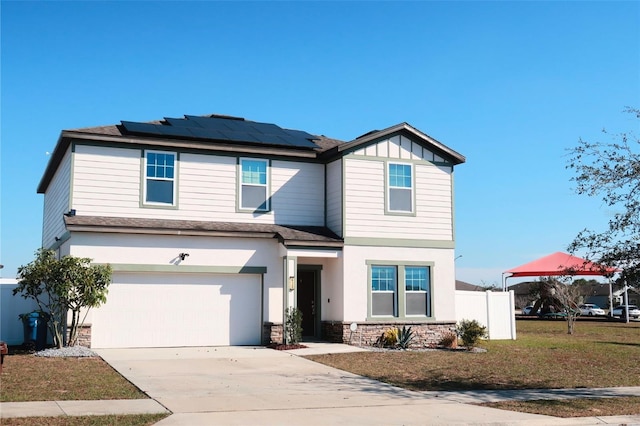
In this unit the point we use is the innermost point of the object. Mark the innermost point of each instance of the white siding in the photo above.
(365, 203)
(297, 193)
(107, 182)
(334, 196)
(56, 202)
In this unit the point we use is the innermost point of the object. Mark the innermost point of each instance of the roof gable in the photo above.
(416, 145)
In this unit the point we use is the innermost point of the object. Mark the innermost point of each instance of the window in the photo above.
(383, 290)
(254, 184)
(413, 298)
(400, 188)
(416, 284)
(160, 177)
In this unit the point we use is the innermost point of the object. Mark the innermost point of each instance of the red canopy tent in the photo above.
(559, 263)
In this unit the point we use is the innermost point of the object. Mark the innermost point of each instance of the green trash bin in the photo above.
(35, 329)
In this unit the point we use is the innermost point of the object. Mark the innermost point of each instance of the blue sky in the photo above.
(510, 85)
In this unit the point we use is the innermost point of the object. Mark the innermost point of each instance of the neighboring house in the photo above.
(465, 286)
(215, 225)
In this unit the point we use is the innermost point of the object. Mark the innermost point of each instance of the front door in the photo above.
(306, 300)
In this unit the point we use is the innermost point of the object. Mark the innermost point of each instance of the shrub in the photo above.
(449, 340)
(470, 331)
(405, 336)
(390, 337)
(294, 326)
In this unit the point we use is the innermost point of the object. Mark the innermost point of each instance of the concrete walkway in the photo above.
(255, 385)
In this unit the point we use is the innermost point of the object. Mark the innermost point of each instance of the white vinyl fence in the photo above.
(493, 309)
(11, 329)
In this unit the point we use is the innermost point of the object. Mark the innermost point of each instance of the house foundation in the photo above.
(272, 333)
(367, 333)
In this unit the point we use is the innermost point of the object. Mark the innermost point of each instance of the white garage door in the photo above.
(165, 310)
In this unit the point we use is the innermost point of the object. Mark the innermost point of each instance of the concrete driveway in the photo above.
(259, 386)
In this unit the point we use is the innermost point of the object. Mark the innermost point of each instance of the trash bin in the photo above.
(35, 329)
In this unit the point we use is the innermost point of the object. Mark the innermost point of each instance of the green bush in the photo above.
(405, 336)
(470, 331)
(294, 326)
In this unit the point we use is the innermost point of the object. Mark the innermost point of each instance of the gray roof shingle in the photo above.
(289, 235)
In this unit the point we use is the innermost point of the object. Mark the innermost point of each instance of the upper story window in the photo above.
(400, 188)
(160, 180)
(254, 184)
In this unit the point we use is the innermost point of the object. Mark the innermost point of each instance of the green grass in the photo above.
(599, 354)
(115, 420)
(26, 377)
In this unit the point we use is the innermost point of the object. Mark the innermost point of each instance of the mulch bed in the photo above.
(283, 347)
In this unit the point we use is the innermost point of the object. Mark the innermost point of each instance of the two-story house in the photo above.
(215, 225)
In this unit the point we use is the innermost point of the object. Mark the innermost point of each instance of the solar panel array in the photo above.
(223, 129)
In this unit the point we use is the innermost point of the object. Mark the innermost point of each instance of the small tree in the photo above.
(557, 296)
(62, 285)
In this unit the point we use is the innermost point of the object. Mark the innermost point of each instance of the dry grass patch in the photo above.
(26, 377)
(599, 354)
(583, 407)
(125, 420)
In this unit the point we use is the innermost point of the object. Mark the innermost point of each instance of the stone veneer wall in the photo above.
(426, 334)
(84, 335)
(272, 333)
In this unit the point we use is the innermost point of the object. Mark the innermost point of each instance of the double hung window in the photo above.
(400, 188)
(400, 290)
(416, 284)
(384, 290)
(160, 178)
(254, 184)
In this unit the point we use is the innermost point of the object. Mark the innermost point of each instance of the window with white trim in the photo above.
(400, 188)
(254, 184)
(160, 180)
(383, 291)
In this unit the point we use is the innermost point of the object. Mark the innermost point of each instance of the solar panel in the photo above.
(181, 122)
(174, 131)
(224, 129)
(209, 123)
(143, 128)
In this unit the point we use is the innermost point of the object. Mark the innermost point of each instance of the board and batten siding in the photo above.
(365, 193)
(107, 182)
(56, 202)
(334, 196)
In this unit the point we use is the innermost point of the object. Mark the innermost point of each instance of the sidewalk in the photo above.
(150, 406)
(80, 408)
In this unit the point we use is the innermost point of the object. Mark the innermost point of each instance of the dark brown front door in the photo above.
(307, 301)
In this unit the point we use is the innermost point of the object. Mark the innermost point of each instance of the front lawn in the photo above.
(599, 354)
(26, 377)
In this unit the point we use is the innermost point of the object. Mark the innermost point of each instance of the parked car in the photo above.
(619, 311)
(527, 310)
(591, 310)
